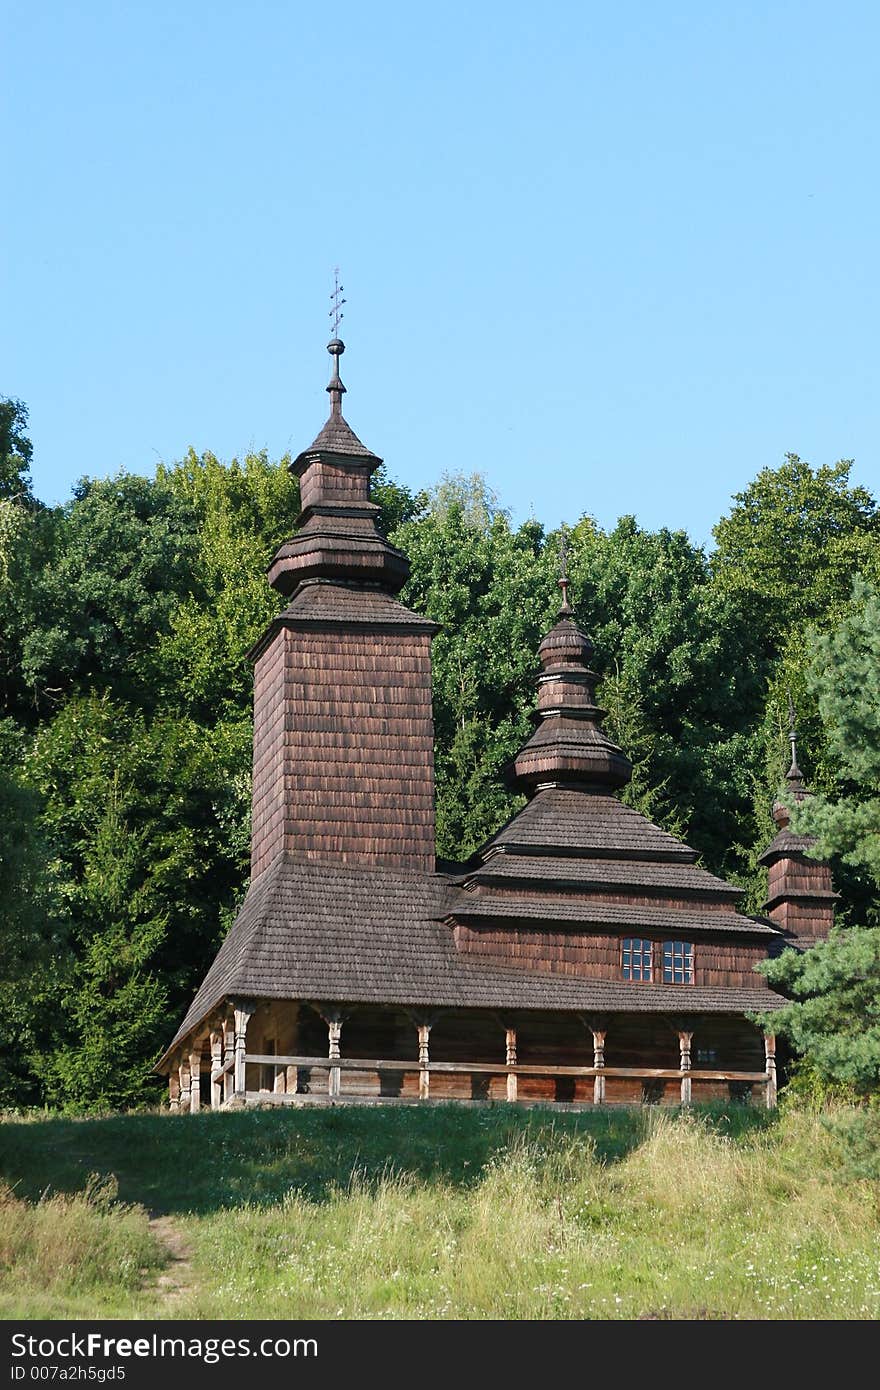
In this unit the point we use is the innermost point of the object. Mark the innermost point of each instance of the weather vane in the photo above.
(336, 303)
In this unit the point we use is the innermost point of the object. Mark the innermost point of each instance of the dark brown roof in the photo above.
(565, 821)
(785, 843)
(509, 907)
(321, 602)
(337, 437)
(310, 930)
(554, 872)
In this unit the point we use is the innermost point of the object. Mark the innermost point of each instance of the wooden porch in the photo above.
(238, 1077)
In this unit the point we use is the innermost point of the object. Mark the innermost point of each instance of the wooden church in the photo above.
(581, 956)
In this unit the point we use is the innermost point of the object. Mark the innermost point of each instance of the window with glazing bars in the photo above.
(636, 958)
(678, 963)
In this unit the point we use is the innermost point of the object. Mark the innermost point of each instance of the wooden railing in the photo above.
(335, 1066)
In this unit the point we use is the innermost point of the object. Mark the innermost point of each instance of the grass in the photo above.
(447, 1212)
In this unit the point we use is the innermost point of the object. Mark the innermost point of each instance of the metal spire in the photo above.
(336, 347)
(566, 611)
(336, 303)
(794, 776)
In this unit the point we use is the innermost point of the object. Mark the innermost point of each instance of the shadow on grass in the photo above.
(203, 1163)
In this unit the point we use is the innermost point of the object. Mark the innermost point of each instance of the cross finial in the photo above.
(794, 773)
(336, 302)
(566, 609)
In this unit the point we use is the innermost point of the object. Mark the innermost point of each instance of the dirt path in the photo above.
(176, 1280)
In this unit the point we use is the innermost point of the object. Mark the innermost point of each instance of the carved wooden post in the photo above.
(242, 1014)
(195, 1072)
(424, 1061)
(183, 1085)
(684, 1047)
(510, 1059)
(770, 1062)
(173, 1090)
(228, 1056)
(599, 1032)
(216, 1064)
(334, 1031)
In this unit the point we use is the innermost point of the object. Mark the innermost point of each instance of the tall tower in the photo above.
(800, 894)
(343, 727)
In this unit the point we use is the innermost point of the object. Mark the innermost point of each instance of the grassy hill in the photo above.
(443, 1212)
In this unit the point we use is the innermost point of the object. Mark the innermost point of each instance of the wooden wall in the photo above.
(724, 963)
(344, 748)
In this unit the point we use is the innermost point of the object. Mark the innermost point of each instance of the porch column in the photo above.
(510, 1058)
(424, 1030)
(173, 1090)
(216, 1064)
(599, 1030)
(242, 1014)
(228, 1056)
(684, 1046)
(334, 1033)
(195, 1072)
(770, 1066)
(183, 1084)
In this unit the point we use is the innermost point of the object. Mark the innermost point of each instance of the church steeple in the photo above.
(337, 537)
(800, 893)
(569, 747)
(343, 730)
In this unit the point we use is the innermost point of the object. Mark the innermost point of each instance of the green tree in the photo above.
(241, 511)
(834, 1016)
(833, 1019)
(145, 822)
(16, 450)
(124, 553)
(845, 681)
(789, 547)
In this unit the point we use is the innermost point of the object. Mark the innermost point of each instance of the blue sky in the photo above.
(617, 257)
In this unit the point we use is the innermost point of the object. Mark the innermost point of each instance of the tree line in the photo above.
(125, 712)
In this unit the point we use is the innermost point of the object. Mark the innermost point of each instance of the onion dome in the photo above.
(568, 748)
(337, 537)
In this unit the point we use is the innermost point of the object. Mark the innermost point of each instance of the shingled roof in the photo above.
(587, 911)
(311, 930)
(509, 868)
(560, 820)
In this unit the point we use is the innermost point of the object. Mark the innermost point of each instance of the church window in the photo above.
(678, 963)
(636, 958)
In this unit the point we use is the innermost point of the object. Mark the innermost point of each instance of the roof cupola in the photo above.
(569, 747)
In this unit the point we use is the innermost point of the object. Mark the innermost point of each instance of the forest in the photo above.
(125, 721)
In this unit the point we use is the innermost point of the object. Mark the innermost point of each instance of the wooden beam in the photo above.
(497, 1069)
(195, 1072)
(599, 1035)
(228, 1068)
(216, 1064)
(510, 1058)
(183, 1087)
(242, 1013)
(684, 1046)
(770, 1060)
